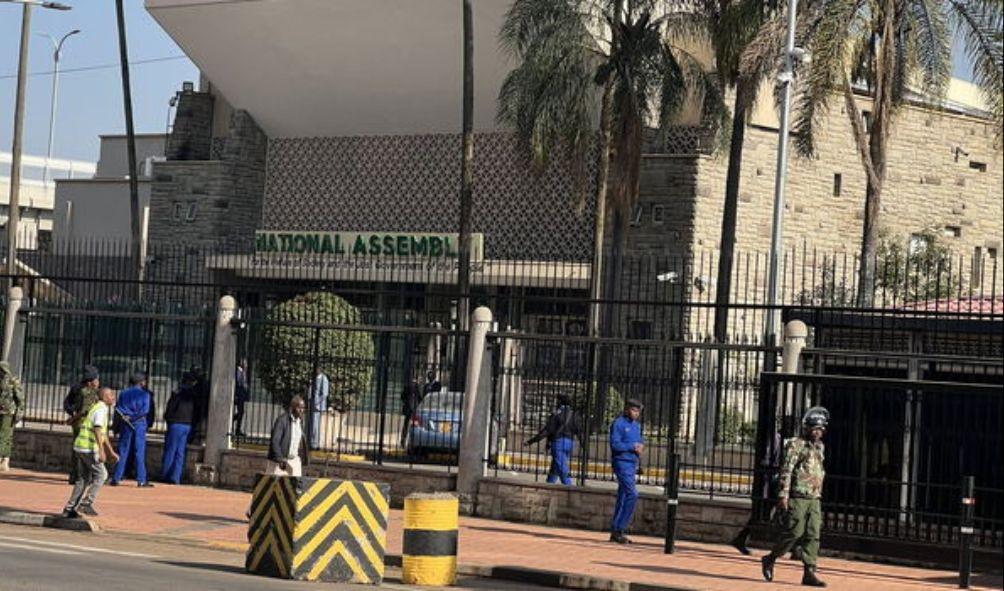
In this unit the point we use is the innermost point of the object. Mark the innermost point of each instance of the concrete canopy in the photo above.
(324, 68)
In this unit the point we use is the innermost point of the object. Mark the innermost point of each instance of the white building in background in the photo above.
(37, 197)
(97, 207)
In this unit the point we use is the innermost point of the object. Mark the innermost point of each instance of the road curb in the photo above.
(47, 520)
(512, 574)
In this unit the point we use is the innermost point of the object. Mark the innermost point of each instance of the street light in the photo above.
(57, 52)
(14, 204)
(793, 56)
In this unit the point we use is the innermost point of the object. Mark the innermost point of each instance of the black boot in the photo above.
(619, 537)
(739, 542)
(767, 567)
(809, 578)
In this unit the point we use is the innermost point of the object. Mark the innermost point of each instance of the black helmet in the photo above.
(817, 416)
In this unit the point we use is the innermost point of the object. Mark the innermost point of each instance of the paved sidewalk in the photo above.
(215, 517)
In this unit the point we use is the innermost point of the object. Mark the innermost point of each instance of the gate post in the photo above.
(15, 298)
(221, 398)
(795, 333)
(477, 399)
(966, 531)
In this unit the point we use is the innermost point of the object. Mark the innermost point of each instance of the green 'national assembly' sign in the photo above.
(382, 244)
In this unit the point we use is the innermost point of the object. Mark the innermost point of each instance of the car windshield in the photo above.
(443, 402)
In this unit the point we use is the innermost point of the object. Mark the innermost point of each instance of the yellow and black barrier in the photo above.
(318, 529)
(430, 539)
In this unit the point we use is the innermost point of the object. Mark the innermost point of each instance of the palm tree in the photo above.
(890, 47)
(575, 56)
(728, 28)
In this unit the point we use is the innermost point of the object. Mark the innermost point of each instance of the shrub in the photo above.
(345, 356)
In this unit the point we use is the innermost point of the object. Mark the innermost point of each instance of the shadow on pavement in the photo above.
(203, 518)
(222, 568)
(668, 570)
(600, 538)
(979, 580)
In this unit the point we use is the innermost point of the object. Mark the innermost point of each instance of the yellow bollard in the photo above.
(430, 539)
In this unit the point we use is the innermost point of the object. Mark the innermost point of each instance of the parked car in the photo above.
(436, 423)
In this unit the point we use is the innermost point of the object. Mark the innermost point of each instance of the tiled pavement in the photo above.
(216, 517)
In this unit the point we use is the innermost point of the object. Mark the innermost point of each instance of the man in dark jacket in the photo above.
(411, 397)
(179, 414)
(288, 449)
(561, 430)
(242, 393)
(81, 397)
(200, 394)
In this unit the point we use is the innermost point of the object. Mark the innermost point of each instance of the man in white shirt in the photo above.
(91, 449)
(288, 450)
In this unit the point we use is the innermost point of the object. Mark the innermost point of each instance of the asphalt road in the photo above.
(40, 559)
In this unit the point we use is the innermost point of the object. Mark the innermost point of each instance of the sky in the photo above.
(90, 100)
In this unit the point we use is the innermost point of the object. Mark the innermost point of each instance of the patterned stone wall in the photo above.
(411, 183)
(191, 135)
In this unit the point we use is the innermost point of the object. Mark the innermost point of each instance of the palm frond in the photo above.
(980, 24)
(924, 30)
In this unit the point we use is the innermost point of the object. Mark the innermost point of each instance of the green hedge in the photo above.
(345, 356)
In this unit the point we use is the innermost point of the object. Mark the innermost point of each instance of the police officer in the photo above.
(560, 431)
(626, 444)
(800, 490)
(133, 408)
(78, 400)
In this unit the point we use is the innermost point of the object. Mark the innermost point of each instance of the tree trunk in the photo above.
(875, 166)
(466, 171)
(730, 212)
(599, 231)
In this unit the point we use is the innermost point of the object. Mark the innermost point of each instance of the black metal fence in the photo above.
(897, 451)
(59, 342)
(360, 383)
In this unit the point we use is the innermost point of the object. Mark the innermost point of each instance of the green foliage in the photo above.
(345, 356)
(566, 51)
(916, 271)
(734, 428)
(614, 407)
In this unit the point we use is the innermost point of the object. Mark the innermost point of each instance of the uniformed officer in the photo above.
(626, 444)
(800, 490)
(133, 408)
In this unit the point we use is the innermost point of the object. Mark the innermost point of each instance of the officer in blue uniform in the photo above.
(626, 444)
(133, 409)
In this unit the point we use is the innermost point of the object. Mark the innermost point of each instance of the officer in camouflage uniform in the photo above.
(81, 397)
(801, 487)
(11, 404)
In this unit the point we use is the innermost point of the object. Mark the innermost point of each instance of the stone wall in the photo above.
(199, 201)
(49, 451)
(192, 133)
(238, 469)
(588, 508)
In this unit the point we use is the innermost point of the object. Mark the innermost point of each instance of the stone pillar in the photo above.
(477, 400)
(795, 333)
(15, 298)
(221, 398)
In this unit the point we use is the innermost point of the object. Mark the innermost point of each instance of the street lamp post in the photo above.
(57, 52)
(792, 56)
(14, 204)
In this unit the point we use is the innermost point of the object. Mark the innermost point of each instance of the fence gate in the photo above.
(897, 452)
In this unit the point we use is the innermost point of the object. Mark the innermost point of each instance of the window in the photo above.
(918, 242)
(992, 253)
(192, 210)
(866, 118)
(953, 232)
(976, 278)
(838, 180)
(659, 214)
(978, 166)
(178, 214)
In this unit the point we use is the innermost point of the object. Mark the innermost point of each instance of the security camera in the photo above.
(800, 55)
